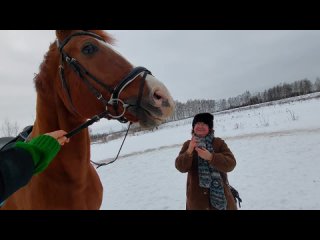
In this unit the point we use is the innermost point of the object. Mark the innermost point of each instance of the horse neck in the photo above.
(74, 157)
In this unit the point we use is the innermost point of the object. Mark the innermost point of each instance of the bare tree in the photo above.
(9, 129)
(317, 85)
(305, 86)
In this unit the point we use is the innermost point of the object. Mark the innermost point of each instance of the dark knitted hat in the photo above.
(206, 118)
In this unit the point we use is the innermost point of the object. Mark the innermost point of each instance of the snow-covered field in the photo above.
(277, 148)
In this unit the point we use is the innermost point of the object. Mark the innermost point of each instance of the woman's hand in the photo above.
(192, 145)
(204, 154)
(59, 136)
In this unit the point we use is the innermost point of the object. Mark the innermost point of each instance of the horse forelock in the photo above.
(106, 36)
(63, 34)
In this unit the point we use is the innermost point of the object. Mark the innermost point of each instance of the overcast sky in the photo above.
(192, 64)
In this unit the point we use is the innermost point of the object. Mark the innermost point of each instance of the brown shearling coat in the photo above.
(224, 161)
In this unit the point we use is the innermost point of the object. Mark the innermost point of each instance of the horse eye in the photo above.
(89, 49)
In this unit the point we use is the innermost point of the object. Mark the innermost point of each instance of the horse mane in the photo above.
(42, 85)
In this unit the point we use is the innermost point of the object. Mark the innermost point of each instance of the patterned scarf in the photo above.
(209, 177)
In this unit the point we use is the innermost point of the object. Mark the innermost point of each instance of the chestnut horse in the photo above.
(82, 76)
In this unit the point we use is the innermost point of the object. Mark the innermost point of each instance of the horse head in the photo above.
(94, 78)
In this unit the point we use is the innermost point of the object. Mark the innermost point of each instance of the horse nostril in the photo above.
(160, 99)
(157, 95)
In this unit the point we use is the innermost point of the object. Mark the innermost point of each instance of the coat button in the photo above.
(205, 193)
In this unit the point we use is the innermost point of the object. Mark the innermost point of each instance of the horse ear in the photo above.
(62, 34)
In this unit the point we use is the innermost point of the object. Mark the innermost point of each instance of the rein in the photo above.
(90, 122)
(104, 164)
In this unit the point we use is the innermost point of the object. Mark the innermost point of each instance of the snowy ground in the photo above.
(276, 147)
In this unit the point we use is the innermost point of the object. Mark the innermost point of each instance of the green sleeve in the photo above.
(43, 150)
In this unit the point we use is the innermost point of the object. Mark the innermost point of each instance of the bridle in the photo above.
(83, 73)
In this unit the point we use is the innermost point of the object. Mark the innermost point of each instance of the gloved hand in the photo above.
(44, 148)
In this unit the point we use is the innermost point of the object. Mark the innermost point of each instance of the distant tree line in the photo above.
(281, 91)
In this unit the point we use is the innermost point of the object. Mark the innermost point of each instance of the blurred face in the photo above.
(201, 129)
